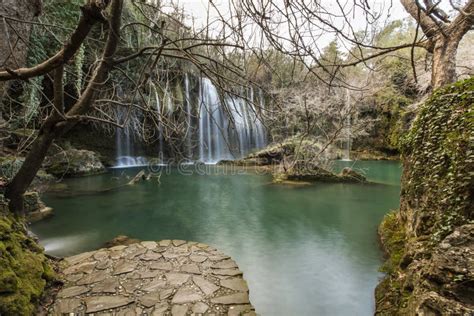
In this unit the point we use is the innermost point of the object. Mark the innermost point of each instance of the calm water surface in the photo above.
(307, 250)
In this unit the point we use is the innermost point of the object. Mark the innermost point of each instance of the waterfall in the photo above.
(187, 95)
(225, 127)
(125, 154)
(160, 126)
(348, 131)
(219, 139)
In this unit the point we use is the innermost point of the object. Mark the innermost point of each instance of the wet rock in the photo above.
(39, 215)
(35, 209)
(120, 240)
(73, 162)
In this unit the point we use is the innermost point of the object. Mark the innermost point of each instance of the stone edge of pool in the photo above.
(155, 278)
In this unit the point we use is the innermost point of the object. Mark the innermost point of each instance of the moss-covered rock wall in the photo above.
(430, 241)
(24, 270)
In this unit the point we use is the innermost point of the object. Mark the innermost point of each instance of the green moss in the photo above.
(436, 194)
(440, 152)
(24, 270)
(393, 237)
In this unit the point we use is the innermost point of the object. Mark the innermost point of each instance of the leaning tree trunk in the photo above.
(60, 121)
(28, 170)
(444, 61)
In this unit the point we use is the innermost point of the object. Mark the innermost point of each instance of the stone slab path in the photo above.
(169, 277)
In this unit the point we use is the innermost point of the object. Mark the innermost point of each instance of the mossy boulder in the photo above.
(430, 269)
(24, 270)
(302, 148)
(74, 162)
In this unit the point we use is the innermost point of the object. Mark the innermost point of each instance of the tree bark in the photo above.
(443, 39)
(444, 62)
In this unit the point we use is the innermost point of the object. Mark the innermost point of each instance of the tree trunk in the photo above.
(444, 61)
(33, 161)
(55, 125)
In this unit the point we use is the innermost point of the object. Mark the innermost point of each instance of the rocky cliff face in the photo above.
(430, 241)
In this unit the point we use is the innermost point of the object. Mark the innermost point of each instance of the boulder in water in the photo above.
(121, 240)
(74, 162)
(351, 174)
(35, 209)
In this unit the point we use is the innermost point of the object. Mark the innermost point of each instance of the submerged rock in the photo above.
(74, 162)
(121, 240)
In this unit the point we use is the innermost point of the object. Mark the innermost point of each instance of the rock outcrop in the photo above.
(73, 162)
(430, 241)
(308, 172)
(35, 209)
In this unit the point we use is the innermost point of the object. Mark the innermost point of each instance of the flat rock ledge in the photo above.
(169, 277)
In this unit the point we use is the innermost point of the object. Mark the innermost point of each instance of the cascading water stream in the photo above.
(348, 130)
(226, 127)
(125, 156)
(218, 138)
(189, 147)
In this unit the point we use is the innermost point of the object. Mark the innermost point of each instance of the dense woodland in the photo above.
(322, 80)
